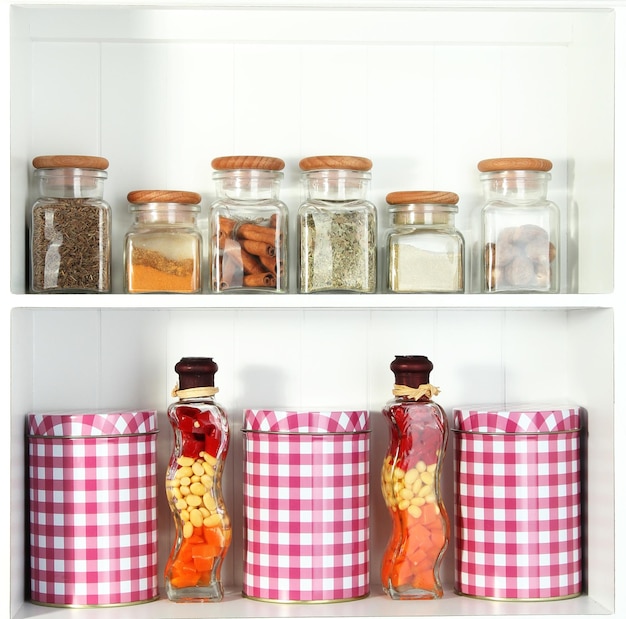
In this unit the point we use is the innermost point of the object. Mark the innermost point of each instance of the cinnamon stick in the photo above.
(258, 248)
(269, 262)
(259, 280)
(250, 263)
(254, 232)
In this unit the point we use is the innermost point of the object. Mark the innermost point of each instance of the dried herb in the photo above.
(70, 246)
(340, 251)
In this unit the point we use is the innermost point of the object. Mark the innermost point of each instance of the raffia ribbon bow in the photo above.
(415, 394)
(194, 392)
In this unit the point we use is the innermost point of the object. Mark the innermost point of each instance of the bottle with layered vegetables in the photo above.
(410, 478)
(194, 485)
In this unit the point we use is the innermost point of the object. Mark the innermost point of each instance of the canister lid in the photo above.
(71, 161)
(522, 419)
(163, 196)
(92, 423)
(515, 163)
(247, 162)
(422, 197)
(335, 162)
(310, 422)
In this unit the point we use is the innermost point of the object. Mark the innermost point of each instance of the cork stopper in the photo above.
(422, 197)
(515, 163)
(247, 162)
(70, 161)
(335, 162)
(411, 370)
(196, 372)
(161, 196)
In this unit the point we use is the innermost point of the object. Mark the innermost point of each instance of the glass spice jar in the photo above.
(519, 248)
(248, 226)
(425, 252)
(337, 226)
(163, 246)
(194, 485)
(70, 236)
(410, 478)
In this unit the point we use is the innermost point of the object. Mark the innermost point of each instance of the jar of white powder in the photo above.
(425, 252)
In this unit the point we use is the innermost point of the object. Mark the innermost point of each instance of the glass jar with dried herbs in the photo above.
(425, 251)
(70, 234)
(337, 226)
(248, 226)
(163, 247)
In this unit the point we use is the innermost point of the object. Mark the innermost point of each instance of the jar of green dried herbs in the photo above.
(337, 226)
(70, 236)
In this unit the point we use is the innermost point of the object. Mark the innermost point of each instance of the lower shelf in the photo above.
(376, 605)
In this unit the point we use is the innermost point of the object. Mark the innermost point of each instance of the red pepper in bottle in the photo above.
(410, 478)
(193, 484)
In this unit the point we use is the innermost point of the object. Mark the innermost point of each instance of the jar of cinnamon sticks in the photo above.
(163, 247)
(248, 226)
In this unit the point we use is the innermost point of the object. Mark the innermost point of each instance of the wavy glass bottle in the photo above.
(418, 429)
(248, 226)
(194, 488)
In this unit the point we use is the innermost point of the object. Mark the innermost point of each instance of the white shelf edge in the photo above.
(315, 301)
(376, 605)
(338, 4)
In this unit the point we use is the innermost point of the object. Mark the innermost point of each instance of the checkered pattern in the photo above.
(306, 421)
(95, 423)
(306, 509)
(518, 512)
(93, 520)
(517, 420)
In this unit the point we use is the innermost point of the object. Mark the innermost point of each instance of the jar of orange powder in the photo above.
(163, 247)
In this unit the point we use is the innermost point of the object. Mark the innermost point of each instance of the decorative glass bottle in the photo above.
(519, 249)
(337, 226)
(70, 236)
(163, 246)
(411, 484)
(425, 252)
(248, 226)
(194, 485)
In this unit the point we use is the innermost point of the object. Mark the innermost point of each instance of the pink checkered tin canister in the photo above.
(518, 508)
(92, 505)
(306, 505)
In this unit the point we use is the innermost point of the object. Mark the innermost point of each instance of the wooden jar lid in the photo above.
(422, 197)
(247, 162)
(335, 162)
(147, 196)
(515, 163)
(71, 161)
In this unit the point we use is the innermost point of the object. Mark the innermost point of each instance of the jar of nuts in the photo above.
(519, 242)
(410, 483)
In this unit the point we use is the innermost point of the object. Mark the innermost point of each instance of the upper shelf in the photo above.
(426, 92)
